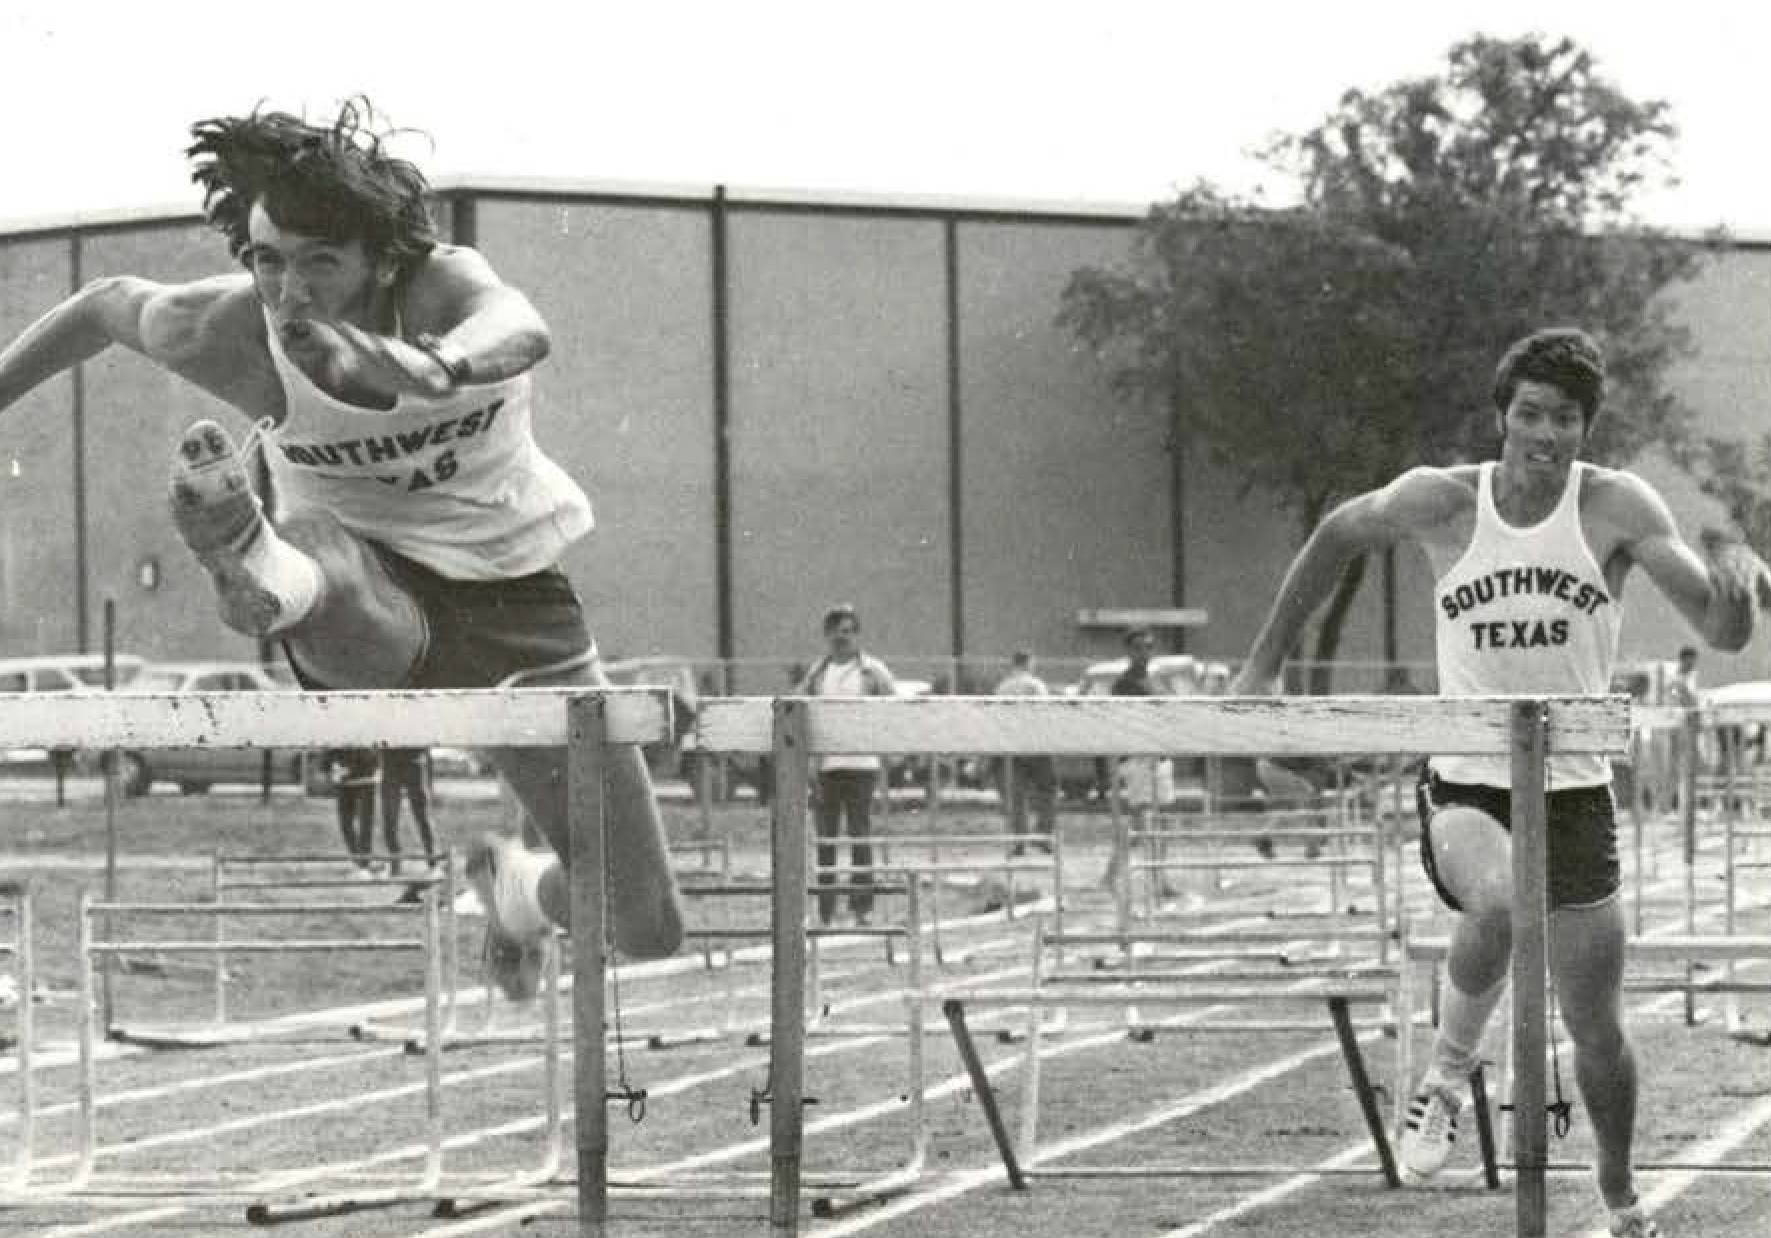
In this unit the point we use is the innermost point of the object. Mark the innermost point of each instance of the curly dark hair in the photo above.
(334, 181)
(1564, 357)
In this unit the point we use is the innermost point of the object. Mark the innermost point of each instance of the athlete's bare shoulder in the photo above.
(184, 325)
(1619, 508)
(1425, 497)
(445, 285)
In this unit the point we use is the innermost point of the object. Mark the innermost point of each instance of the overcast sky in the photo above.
(1112, 101)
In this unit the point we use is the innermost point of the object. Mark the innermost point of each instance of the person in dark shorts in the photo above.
(1529, 555)
(418, 526)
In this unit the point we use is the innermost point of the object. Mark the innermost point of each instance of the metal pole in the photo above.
(1530, 957)
(114, 772)
(25, 927)
(586, 765)
(1688, 733)
(787, 986)
(221, 959)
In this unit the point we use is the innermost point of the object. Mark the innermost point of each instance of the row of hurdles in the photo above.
(794, 730)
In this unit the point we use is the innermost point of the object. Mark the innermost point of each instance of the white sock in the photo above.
(1462, 1019)
(519, 875)
(290, 574)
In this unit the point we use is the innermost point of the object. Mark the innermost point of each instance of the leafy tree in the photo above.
(1738, 475)
(1315, 352)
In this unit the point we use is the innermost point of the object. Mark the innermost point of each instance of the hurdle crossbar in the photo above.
(462, 718)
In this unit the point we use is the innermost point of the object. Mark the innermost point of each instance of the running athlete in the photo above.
(1529, 555)
(418, 525)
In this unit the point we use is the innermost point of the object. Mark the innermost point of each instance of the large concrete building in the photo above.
(776, 404)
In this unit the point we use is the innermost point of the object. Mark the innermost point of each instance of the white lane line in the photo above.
(1290, 1186)
(1743, 1126)
(1186, 1106)
(1272, 1194)
(832, 1122)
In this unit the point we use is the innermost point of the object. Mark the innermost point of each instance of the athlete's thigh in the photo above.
(366, 630)
(1472, 857)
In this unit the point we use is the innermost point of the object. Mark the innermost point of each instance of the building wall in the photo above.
(1066, 490)
(844, 408)
(1727, 383)
(625, 404)
(839, 430)
(134, 415)
(38, 608)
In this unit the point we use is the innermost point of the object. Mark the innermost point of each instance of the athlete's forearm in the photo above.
(1736, 579)
(1308, 582)
(502, 338)
(79, 328)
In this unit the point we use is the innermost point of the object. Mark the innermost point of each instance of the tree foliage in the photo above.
(1738, 476)
(1314, 352)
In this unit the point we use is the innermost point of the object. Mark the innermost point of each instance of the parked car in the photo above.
(195, 770)
(1170, 675)
(65, 672)
(60, 672)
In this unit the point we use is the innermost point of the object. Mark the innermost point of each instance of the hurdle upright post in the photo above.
(1530, 780)
(1690, 732)
(586, 764)
(787, 1029)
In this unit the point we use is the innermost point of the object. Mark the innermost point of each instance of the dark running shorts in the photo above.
(484, 633)
(1582, 835)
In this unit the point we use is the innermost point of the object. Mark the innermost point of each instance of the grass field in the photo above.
(220, 1127)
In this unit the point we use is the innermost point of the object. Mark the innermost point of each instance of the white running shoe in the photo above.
(505, 875)
(1632, 1222)
(1431, 1127)
(261, 584)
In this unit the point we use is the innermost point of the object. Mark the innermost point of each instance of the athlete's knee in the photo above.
(1488, 903)
(1597, 1029)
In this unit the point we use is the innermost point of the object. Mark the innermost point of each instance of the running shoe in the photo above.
(1431, 1126)
(219, 517)
(1632, 1222)
(498, 868)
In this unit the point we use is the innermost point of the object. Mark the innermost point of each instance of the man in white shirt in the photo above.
(844, 786)
(1028, 779)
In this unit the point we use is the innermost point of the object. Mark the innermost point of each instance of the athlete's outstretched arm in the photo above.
(105, 312)
(1414, 502)
(485, 321)
(494, 324)
(1719, 598)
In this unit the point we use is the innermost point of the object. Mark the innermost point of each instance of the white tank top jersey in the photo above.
(1525, 611)
(457, 483)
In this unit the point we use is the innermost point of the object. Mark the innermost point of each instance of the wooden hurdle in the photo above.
(580, 720)
(1527, 728)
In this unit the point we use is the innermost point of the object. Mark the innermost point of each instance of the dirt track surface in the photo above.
(224, 1127)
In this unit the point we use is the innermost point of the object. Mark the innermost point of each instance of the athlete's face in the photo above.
(1543, 430)
(307, 277)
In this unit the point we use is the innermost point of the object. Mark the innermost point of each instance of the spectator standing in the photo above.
(842, 792)
(1028, 779)
(355, 773)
